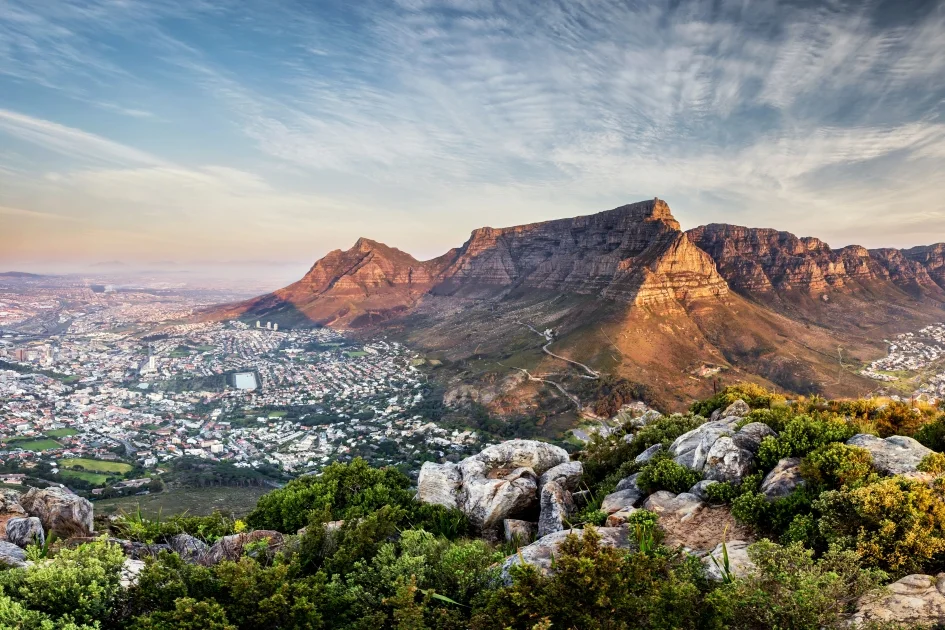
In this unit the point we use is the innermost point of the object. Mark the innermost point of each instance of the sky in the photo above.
(210, 131)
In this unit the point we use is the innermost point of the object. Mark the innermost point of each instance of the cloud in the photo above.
(20, 213)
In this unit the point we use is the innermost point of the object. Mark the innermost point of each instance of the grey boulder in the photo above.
(617, 501)
(783, 479)
(60, 511)
(738, 408)
(188, 547)
(519, 531)
(439, 484)
(739, 563)
(24, 532)
(556, 507)
(567, 474)
(726, 461)
(700, 488)
(11, 555)
(896, 455)
(648, 454)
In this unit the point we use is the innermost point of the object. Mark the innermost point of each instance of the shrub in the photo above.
(663, 473)
(773, 518)
(932, 434)
(134, 526)
(801, 435)
(836, 464)
(896, 524)
(790, 589)
(188, 614)
(933, 463)
(756, 396)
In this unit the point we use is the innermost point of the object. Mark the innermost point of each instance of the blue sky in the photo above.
(202, 130)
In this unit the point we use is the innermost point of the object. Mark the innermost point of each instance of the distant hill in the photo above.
(19, 274)
(627, 294)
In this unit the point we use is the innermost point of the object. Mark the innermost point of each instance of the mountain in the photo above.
(628, 294)
(19, 274)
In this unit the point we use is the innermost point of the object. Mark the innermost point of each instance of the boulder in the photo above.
(189, 548)
(488, 501)
(11, 555)
(726, 461)
(567, 474)
(692, 448)
(896, 455)
(25, 531)
(518, 531)
(60, 511)
(10, 508)
(739, 409)
(648, 454)
(618, 519)
(783, 479)
(650, 417)
(439, 484)
(580, 498)
(739, 564)
(538, 456)
(749, 437)
(541, 553)
(556, 507)
(628, 483)
(130, 571)
(232, 547)
(621, 499)
(699, 489)
(681, 506)
(913, 601)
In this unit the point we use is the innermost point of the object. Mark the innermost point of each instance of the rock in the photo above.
(749, 437)
(9, 508)
(60, 511)
(648, 454)
(488, 501)
(913, 601)
(439, 484)
(189, 548)
(692, 448)
(541, 552)
(783, 479)
(232, 547)
(11, 555)
(567, 474)
(621, 499)
(725, 461)
(682, 506)
(518, 531)
(23, 532)
(628, 483)
(538, 456)
(130, 571)
(739, 563)
(699, 489)
(896, 455)
(556, 507)
(618, 519)
(580, 498)
(739, 408)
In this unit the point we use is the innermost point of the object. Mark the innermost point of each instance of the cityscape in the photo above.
(916, 358)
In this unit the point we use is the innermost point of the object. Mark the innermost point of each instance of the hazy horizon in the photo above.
(212, 133)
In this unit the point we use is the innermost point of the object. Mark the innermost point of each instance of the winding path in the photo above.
(591, 374)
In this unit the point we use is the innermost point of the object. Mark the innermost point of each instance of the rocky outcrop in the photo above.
(10, 508)
(11, 555)
(556, 507)
(519, 531)
(719, 449)
(913, 601)
(189, 548)
(234, 546)
(23, 532)
(620, 500)
(567, 474)
(439, 484)
(896, 455)
(783, 479)
(541, 553)
(60, 511)
(739, 563)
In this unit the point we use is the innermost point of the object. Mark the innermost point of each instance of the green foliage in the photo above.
(722, 492)
(790, 589)
(933, 463)
(932, 434)
(662, 473)
(834, 465)
(756, 396)
(895, 524)
(135, 526)
(801, 435)
(188, 614)
(13, 614)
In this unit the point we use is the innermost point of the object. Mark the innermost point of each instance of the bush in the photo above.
(801, 435)
(932, 434)
(663, 473)
(756, 396)
(188, 614)
(836, 464)
(896, 524)
(134, 526)
(933, 463)
(790, 589)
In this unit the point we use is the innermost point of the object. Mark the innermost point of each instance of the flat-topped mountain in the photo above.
(627, 293)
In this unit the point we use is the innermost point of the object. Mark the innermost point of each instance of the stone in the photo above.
(648, 454)
(60, 511)
(783, 479)
(541, 552)
(699, 489)
(913, 601)
(739, 409)
(567, 474)
(740, 565)
(896, 455)
(439, 484)
(618, 519)
(628, 483)
(725, 461)
(130, 571)
(616, 501)
(519, 531)
(189, 548)
(11, 555)
(692, 448)
(25, 531)
(538, 456)
(556, 507)
(232, 547)
(10, 508)
(581, 498)
(681, 506)
(489, 501)
(749, 437)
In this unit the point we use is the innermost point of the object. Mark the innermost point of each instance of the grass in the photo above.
(356, 353)
(95, 478)
(39, 444)
(96, 465)
(60, 433)
(193, 501)
(278, 414)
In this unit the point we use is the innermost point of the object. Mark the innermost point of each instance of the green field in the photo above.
(96, 478)
(39, 444)
(193, 501)
(356, 353)
(96, 465)
(278, 414)
(58, 433)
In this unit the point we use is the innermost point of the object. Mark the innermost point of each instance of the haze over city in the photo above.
(199, 132)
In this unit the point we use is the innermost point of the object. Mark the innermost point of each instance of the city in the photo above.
(915, 359)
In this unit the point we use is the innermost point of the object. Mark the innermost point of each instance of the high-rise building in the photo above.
(275, 326)
(258, 324)
(152, 363)
(268, 325)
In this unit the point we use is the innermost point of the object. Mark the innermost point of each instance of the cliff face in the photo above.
(755, 260)
(634, 253)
